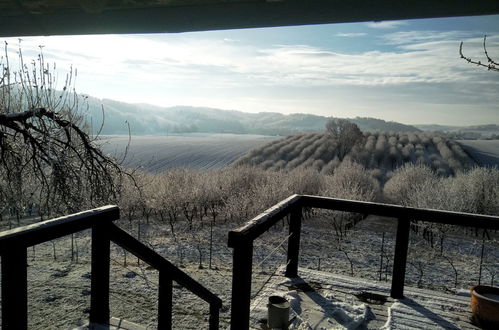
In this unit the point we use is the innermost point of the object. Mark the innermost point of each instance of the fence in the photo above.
(14, 242)
(241, 240)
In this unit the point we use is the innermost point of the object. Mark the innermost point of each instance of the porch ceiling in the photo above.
(55, 17)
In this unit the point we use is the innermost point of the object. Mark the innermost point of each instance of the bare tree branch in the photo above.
(490, 65)
(48, 159)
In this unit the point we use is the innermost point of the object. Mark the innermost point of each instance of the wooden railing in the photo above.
(14, 243)
(241, 240)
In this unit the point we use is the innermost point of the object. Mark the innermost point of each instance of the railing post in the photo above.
(165, 300)
(99, 300)
(241, 285)
(294, 242)
(14, 289)
(214, 317)
(400, 259)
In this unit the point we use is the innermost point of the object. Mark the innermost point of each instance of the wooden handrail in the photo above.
(51, 229)
(142, 251)
(241, 239)
(262, 222)
(13, 245)
(397, 211)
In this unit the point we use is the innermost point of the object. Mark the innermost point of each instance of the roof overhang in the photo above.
(63, 17)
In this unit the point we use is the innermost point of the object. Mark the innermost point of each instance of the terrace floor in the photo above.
(321, 300)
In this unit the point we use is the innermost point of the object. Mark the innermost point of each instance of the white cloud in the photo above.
(411, 37)
(386, 24)
(423, 57)
(351, 34)
(172, 70)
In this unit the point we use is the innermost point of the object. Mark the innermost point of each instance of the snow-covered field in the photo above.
(59, 287)
(485, 152)
(196, 150)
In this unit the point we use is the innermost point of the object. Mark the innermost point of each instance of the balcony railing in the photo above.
(241, 240)
(14, 243)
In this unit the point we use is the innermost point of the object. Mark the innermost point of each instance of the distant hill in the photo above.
(448, 128)
(146, 119)
(476, 132)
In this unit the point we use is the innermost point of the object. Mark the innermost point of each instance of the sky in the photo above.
(406, 71)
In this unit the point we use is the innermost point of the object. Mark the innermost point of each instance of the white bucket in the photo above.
(278, 313)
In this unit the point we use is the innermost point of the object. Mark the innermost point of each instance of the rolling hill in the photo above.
(472, 132)
(379, 151)
(146, 119)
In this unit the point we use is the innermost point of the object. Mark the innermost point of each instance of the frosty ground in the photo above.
(201, 151)
(59, 288)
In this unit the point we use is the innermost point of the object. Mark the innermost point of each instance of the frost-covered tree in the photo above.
(346, 135)
(406, 181)
(349, 181)
(48, 158)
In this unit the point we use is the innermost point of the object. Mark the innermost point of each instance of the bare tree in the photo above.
(48, 158)
(346, 134)
(491, 64)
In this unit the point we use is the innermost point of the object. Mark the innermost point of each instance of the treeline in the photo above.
(189, 198)
(385, 151)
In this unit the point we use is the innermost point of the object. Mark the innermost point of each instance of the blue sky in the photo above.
(406, 71)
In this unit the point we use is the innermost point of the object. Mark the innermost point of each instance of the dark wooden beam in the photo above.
(242, 266)
(294, 242)
(262, 222)
(51, 229)
(400, 258)
(234, 15)
(14, 289)
(165, 301)
(397, 211)
(142, 251)
(99, 299)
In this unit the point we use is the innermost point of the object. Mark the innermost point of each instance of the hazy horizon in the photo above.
(404, 71)
(300, 113)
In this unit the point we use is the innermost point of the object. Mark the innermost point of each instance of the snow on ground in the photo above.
(485, 152)
(197, 151)
(309, 309)
(321, 300)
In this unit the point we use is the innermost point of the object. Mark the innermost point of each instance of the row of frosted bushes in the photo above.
(237, 194)
(385, 151)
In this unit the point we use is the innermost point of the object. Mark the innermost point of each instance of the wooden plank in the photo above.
(294, 242)
(201, 16)
(397, 211)
(400, 258)
(99, 286)
(51, 229)
(14, 289)
(258, 225)
(262, 222)
(241, 285)
(165, 295)
(214, 319)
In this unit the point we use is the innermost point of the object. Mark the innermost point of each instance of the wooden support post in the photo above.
(241, 285)
(99, 300)
(214, 317)
(294, 242)
(14, 289)
(165, 300)
(400, 259)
